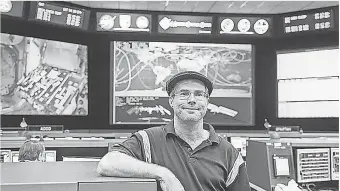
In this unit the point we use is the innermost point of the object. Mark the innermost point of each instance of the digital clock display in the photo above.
(60, 14)
(320, 20)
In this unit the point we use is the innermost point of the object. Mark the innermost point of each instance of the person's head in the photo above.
(189, 95)
(31, 151)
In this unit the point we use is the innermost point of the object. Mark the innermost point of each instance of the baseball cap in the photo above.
(171, 83)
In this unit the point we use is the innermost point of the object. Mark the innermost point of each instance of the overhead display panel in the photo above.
(254, 26)
(184, 24)
(59, 14)
(12, 8)
(123, 22)
(316, 21)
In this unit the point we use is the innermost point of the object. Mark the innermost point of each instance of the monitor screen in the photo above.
(313, 165)
(308, 83)
(43, 77)
(335, 163)
(59, 14)
(140, 70)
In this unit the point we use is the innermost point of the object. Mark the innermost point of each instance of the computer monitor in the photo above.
(50, 156)
(335, 163)
(313, 165)
(5, 155)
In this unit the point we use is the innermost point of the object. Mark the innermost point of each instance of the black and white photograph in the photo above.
(169, 95)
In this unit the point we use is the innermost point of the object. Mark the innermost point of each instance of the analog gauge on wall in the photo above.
(227, 25)
(5, 6)
(106, 22)
(261, 26)
(243, 25)
(142, 22)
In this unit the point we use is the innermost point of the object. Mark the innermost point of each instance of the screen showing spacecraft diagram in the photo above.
(43, 77)
(140, 70)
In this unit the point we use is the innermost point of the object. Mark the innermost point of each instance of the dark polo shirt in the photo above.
(215, 165)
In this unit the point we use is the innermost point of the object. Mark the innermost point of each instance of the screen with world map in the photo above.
(139, 71)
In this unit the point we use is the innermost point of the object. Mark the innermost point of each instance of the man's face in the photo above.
(192, 107)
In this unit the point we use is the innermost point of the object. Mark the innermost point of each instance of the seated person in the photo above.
(32, 151)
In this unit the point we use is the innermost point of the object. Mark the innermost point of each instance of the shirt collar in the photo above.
(213, 137)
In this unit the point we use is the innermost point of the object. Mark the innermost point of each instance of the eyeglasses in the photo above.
(185, 94)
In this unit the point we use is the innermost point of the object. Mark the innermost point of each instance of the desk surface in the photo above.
(56, 172)
(306, 142)
(63, 143)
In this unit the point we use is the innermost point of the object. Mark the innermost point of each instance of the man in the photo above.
(186, 154)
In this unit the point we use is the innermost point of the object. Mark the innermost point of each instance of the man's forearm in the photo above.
(122, 165)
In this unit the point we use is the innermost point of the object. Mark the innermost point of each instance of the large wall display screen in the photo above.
(140, 70)
(308, 83)
(43, 77)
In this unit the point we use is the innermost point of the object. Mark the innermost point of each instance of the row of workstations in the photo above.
(273, 161)
(92, 146)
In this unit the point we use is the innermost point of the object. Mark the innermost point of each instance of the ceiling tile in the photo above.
(253, 7)
(222, 7)
(156, 5)
(173, 6)
(289, 6)
(248, 6)
(83, 3)
(91, 4)
(265, 7)
(314, 4)
(203, 6)
(188, 6)
(109, 4)
(331, 3)
(126, 5)
(142, 5)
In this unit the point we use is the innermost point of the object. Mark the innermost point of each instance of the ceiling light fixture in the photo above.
(243, 4)
(230, 5)
(260, 5)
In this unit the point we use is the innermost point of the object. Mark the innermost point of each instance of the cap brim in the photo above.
(184, 76)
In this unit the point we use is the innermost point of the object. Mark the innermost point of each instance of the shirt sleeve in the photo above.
(132, 147)
(241, 182)
(237, 179)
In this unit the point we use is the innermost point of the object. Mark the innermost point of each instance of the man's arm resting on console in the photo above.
(119, 164)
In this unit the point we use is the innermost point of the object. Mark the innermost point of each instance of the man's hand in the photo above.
(169, 182)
